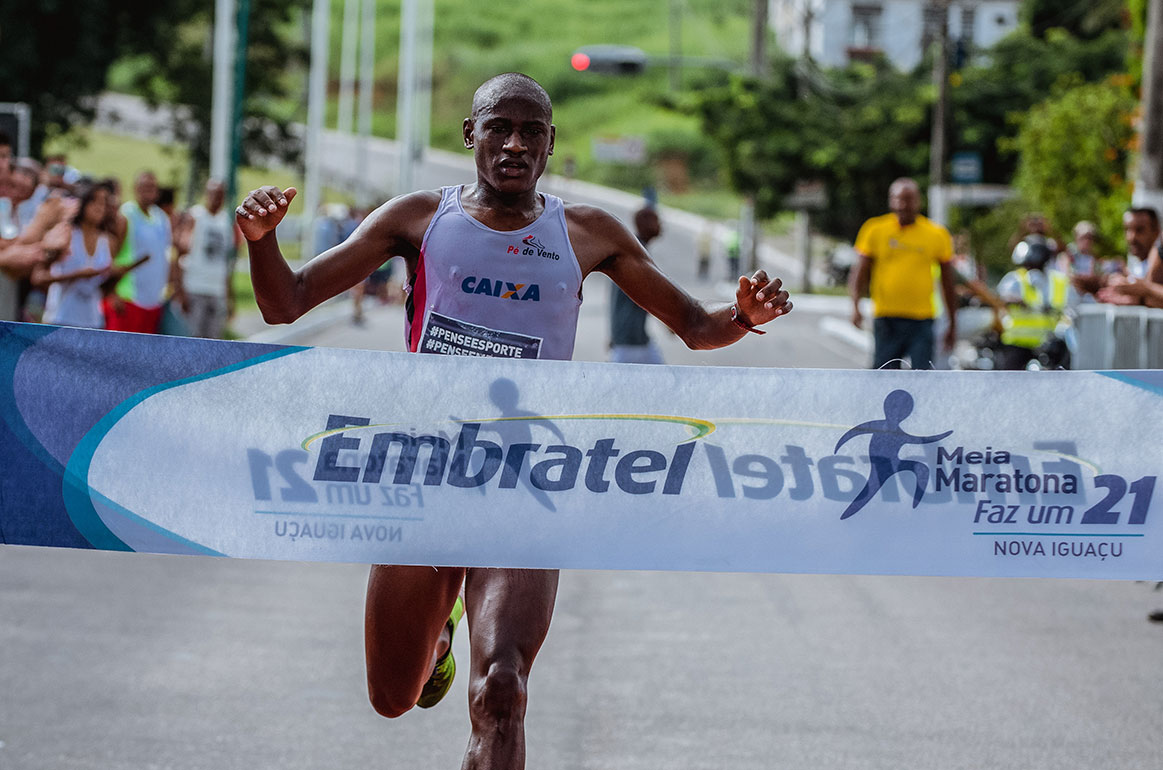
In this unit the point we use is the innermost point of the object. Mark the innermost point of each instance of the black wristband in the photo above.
(735, 319)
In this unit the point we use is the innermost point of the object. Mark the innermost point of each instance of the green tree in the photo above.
(990, 95)
(1074, 151)
(764, 133)
(1082, 18)
(855, 129)
(56, 54)
(177, 69)
(859, 127)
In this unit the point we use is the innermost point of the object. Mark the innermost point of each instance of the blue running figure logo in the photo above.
(514, 430)
(884, 449)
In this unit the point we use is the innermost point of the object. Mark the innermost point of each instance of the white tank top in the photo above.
(484, 292)
(78, 302)
(206, 268)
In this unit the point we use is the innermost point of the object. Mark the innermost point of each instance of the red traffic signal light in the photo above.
(609, 59)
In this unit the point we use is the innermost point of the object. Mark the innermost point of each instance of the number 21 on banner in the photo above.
(1103, 512)
(296, 490)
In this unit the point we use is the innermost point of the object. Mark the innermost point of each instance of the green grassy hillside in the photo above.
(537, 37)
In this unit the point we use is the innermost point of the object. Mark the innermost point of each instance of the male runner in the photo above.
(451, 240)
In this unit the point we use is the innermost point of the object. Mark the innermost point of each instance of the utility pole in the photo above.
(367, 74)
(316, 106)
(938, 209)
(808, 19)
(414, 93)
(221, 112)
(1149, 182)
(425, 32)
(231, 21)
(406, 96)
(242, 35)
(759, 39)
(347, 59)
(803, 222)
(748, 225)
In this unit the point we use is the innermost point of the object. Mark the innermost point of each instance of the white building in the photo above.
(840, 31)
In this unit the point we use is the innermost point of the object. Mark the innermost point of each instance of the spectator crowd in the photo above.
(1052, 277)
(918, 277)
(73, 253)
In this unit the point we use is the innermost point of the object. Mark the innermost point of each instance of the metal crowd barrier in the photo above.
(1118, 337)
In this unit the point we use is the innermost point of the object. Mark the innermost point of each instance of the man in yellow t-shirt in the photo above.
(898, 252)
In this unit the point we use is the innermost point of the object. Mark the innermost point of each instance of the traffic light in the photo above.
(609, 60)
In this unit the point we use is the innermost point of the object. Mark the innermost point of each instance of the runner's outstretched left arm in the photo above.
(603, 243)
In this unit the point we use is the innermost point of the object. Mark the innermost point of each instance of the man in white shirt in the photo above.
(206, 242)
(1144, 283)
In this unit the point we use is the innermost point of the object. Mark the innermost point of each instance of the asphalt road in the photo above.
(116, 661)
(111, 661)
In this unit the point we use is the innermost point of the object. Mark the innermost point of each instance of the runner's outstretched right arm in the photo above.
(275, 284)
(394, 229)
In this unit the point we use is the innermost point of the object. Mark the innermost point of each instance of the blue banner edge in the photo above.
(76, 490)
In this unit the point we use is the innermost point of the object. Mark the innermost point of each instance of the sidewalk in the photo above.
(249, 325)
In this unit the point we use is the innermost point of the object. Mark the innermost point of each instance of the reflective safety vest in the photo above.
(1028, 325)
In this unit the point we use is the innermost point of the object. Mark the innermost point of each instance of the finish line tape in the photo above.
(169, 445)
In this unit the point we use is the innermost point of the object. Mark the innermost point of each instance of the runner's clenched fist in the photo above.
(262, 210)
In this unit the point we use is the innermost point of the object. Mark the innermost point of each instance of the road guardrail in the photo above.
(1118, 337)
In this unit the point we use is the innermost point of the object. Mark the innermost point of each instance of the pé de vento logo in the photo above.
(530, 246)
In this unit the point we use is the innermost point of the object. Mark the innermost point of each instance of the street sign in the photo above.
(627, 150)
(809, 194)
(965, 167)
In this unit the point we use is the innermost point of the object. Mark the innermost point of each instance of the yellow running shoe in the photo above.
(443, 673)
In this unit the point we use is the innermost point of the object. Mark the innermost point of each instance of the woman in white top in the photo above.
(74, 279)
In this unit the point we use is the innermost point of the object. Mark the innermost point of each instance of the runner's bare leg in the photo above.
(406, 613)
(508, 615)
